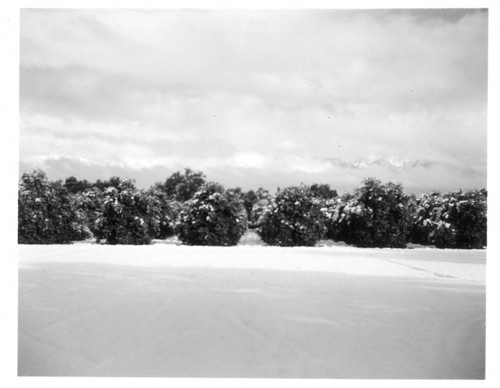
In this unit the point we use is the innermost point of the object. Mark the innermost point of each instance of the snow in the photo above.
(466, 266)
(251, 311)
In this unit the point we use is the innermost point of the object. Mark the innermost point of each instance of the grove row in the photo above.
(205, 213)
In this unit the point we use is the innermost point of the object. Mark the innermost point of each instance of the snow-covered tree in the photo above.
(45, 215)
(293, 218)
(127, 217)
(376, 216)
(214, 216)
(454, 220)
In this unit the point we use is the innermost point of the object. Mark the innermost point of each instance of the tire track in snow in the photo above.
(436, 274)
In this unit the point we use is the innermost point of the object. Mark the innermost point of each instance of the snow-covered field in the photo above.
(251, 311)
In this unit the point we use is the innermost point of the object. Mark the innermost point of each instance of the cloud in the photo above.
(284, 93)
(246, 171)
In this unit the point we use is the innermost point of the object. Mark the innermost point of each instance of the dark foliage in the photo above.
(469, 216)
(213, 216)
(115, 211)
(255, 202)
(294, 218)
(74, 185)
(249, 199)
(111, 182)
(88, 206)
(377, 216)
(45, 215)
(127, 216)
(454, 220)
(165, 212)
(182, 187)
(323, 191)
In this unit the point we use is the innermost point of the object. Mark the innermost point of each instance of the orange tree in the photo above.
(45, 214)
(293, 218)
(214, 216)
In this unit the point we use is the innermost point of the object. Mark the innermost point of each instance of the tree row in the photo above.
(205, 213)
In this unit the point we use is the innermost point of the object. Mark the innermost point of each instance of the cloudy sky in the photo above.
(257, 98)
